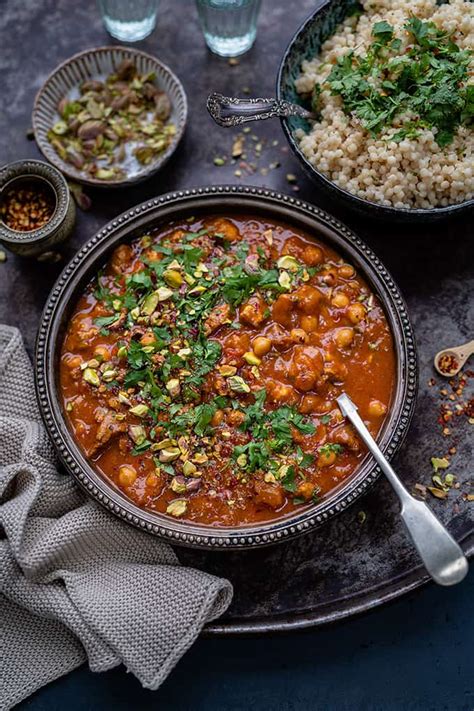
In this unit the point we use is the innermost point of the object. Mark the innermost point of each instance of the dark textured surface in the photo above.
(433, 266)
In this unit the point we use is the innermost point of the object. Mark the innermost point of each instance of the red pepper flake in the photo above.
(448, 363)
(28, 206)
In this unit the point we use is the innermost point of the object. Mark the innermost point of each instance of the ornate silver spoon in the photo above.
(231, 111)
(441, 555)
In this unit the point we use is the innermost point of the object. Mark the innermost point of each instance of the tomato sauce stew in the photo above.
(200, 369)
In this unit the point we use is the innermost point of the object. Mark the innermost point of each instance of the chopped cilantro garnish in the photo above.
(428, 81)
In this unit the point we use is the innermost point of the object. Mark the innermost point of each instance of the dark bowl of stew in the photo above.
(189, 357)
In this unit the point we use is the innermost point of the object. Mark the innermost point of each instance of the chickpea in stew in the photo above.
(200, 369)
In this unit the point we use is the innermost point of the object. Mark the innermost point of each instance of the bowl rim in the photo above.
(356, 201)
(148, 170)
(32, 168)
(236, 198)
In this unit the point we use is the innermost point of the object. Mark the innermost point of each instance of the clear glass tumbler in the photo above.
(229, 26)
(129, 20)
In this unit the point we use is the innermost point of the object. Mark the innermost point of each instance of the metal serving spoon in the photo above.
(231, 111)
(460, 355)
(441, 555)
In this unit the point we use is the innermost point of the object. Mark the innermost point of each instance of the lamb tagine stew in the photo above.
(200, 369)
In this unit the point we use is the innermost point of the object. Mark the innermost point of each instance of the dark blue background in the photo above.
(416, 654)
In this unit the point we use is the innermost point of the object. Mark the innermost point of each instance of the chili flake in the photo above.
(448, 363)
(28, 206)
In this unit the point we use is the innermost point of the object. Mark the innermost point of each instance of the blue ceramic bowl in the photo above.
(305, 44)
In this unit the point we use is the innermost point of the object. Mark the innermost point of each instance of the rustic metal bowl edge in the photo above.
(250, 199)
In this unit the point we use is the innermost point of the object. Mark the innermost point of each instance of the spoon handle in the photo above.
(231, 111)
(441, 555)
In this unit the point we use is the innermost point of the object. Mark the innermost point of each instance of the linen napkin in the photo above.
(75, 582)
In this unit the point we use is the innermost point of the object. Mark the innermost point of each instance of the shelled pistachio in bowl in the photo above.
(124, 115)
(110, 116)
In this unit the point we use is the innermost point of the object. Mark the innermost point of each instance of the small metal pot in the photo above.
(58, 228)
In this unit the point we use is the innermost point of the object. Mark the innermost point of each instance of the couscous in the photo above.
(386, 132)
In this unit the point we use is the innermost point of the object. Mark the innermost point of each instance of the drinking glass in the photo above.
(129, 20)
(229, 26)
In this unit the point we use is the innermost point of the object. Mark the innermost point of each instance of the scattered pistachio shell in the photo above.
(177, 507)
(3, 256)
(437, 493)
(251, 358)
(135, 313)
(439, 463)
(242, 460)
(288, 262)
(238, 147)
(139, 410)
(200, 458)
(238, 384)
(449, 480)
(69, 406)
(91, 377)
(169, 454)
(219, 161)
(122, 352)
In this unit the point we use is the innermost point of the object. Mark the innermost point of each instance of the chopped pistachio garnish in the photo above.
(177, 507)
(251, 358)
(284, 280)
(189, 468)
(90, 376)
(178, 486)
(139, 410)
(137, 434)
(169, 454)
(238, 384)
(289, 263)
(173, 278)
(227, 370)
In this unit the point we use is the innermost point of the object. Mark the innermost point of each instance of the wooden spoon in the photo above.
(449, 361)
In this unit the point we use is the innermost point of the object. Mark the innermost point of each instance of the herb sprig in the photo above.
(427, 81)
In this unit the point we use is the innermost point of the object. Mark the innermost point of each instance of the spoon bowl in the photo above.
(449, 361)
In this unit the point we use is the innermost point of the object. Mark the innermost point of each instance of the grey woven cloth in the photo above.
(76, 583)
